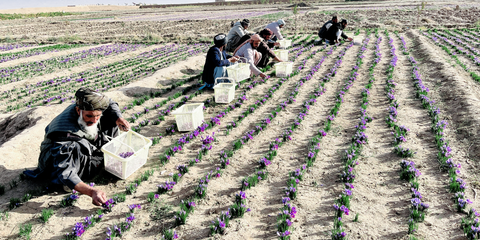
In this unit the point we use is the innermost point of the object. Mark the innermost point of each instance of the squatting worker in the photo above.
(265, 47)
(248, 50)
(275, 27)
(323, 31)
(71, 147)
(239, 29)
(217, 61)
(336, 31)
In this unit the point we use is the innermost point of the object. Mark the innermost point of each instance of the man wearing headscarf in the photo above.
(265, 47)
(248, 50)
(216, 62)
(275, 27)
(71, 147)
(238, 30)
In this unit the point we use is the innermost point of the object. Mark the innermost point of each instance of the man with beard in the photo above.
(216, 62)
(248, 50)
(265, 47)
(71, 147)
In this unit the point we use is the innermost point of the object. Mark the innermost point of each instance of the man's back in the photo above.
(324, 28)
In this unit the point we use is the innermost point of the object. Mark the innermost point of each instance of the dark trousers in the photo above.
(263, 61)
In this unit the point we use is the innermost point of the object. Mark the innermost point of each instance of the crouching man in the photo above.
(71, 147)
(248, 50)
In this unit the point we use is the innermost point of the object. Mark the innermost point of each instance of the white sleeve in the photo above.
(251, 60)
(277, 33)
(339, 33)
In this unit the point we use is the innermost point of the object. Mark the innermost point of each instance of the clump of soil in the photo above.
(15, 124)
(427, 20)
(302, 4)
(393, 22)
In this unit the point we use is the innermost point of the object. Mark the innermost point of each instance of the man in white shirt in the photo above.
(275, 27)
(248, 51)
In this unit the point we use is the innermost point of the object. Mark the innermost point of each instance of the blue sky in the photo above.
(7, 4)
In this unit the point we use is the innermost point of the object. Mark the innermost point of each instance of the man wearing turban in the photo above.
(265, 47)
(217, 61)
(248, 50)
(71, 147)
(238, 30)
(275, 27)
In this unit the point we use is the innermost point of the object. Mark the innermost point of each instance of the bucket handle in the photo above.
(241, 58)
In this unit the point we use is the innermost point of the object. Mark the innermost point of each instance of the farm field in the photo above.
(372, 139)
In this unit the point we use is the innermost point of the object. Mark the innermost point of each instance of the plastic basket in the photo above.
(127, 142)
(239, 71)
(357, 40)
(285, 43)
(282, 54)
(283, 69)
(189, 116)
(224, 92)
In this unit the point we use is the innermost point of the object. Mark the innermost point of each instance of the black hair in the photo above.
(245, 22)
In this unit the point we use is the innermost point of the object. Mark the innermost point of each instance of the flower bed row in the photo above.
(469, 33)
(9, 47)
(288, 211)
(456, 185)
(470, 51)
(465, 35)
(350, 160)
(453, 54)
(408, 172)
(5, 57)
(28, 70)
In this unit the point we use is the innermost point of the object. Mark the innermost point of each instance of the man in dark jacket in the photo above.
(323, 31)
(216, 62)
(336, 31)
(71, 151)
(265, 47)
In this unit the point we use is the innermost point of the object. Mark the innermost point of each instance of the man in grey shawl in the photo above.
(239, 29)
(71, 147)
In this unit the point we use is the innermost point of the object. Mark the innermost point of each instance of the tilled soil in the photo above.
(381, 199)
